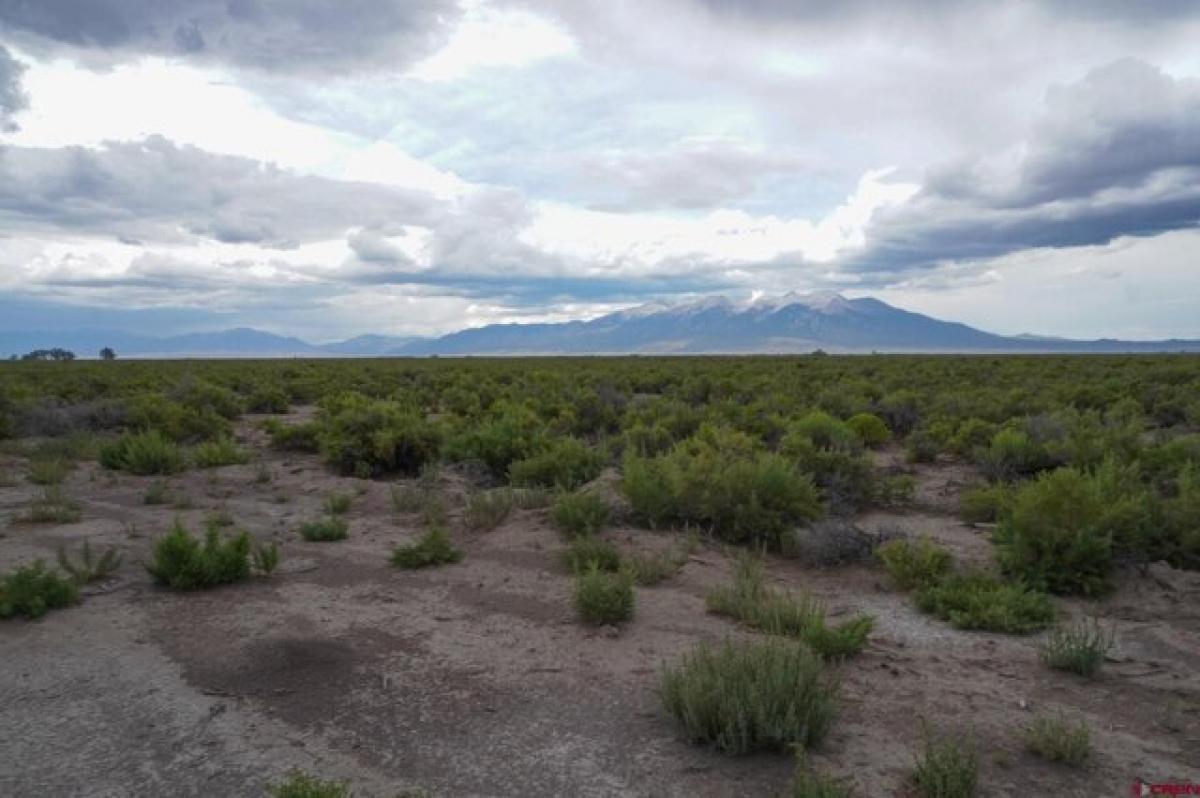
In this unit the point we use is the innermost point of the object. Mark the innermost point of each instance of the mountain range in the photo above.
(792, 323)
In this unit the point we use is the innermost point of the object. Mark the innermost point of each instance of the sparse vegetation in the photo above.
(219, 452)
(947, 767)
(579, 513)
(603, 597)
(338, 503)
(741, 697)
(325, 529)
(32, 590)
(809, 783)
(487, 510)
(89, 567)
(914, 564)
(1056, 738)
(266, 558)
(181, 561)
(433, 548)
(1080, 648)
(53, 506)
(144, 453)
(301, 785)
(587, 551)
(977, 600)
(49, 471)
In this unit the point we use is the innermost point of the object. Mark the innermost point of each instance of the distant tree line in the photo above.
(60, 354)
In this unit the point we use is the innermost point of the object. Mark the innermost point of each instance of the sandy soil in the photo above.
(475, 679)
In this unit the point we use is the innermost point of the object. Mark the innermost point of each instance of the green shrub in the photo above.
(922, 447)
(369, 437)
(896, 491)
(32, 590)
(487, 510)
(156, 494)
(579, 513)
(832, 454)
(1011, 455)
(177, 422)
(975, 600)
(586, 551)
(808, 783)
(53, 506)
(1079, 649)
(512, 433)
(89, 568)
(409, 498)
(266, 558)
(750, 600)
(984, 504)
(434, 548)
(743, 697)
(301, 785)
(602, 597)
(144, 454)
(49, 471)
(182, 562)
(650, 568)
(338, 503)
(531, 498)
(326, 529)
(219, 452)
(564, 463)
(1057, 739)
(267, 399)
(914, 564)
(718, 481)
(294, 437)
(869, 428)
(948, 767)
(1062, 530)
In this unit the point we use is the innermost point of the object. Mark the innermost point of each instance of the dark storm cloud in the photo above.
(1117, 154)
(157, 191)
(279, 35)
(12, 97)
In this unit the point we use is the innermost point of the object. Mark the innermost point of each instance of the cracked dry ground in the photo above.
(475, 678)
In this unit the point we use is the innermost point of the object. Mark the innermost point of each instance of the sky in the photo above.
(412, 167)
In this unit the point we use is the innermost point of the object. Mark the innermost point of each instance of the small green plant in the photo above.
(750, 600)
(53, 506)
(1055, 738)
(914, 564)
(408, 498)
(984, 504)
(585, 551)
(434, 548)
(157, 493)
(532, 498)
(33, 590)
(301, 785)
(219, 452)
(808, 783)
(331, 528)
(338, 503)
(947, 767)
(183, 562)
(89, 567)
(895, 491)
(603, 597)
(143, 453)
(1079, 649)
(747, 696)
(651, 568)
(219, 518)
(49, 471)
(294, 437)
(266, 558)
(977, 600)
(487, 510)
(869, 428)
(579, 513)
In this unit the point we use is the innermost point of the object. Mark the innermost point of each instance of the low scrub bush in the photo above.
(976, 600)
(219, 452)
(434, 548)
(869, 428)
(579, 513)
(157, 493)
(32, 590)
(183, 562)
(177, 422)
(564, 463)
(326, 529)
(1055, 738)
(895, 491)
(1012, 454)
(651, 568)
(511, 433)
(49, 471)
(531, 498)
(603, 597)
(301, 785)
(947, 767)
(717, 480)
(587, 551)
(89, 567)
(913, 564)
(808, 783)
(266, 558)
(338, 503)
(487, 510)
(370, 437)
(750, 600)
(748, 696)
(832, 454)
(267, 399)
(143, 453)
(921, 446)
(294, 437)
(984, 504)
(1079, 649)
(53, 506)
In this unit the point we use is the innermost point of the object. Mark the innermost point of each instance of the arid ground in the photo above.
(477, 679)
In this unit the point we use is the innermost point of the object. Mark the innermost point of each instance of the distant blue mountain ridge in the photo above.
(792, 323)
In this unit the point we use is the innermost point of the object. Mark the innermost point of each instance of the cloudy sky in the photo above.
(326, 169)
